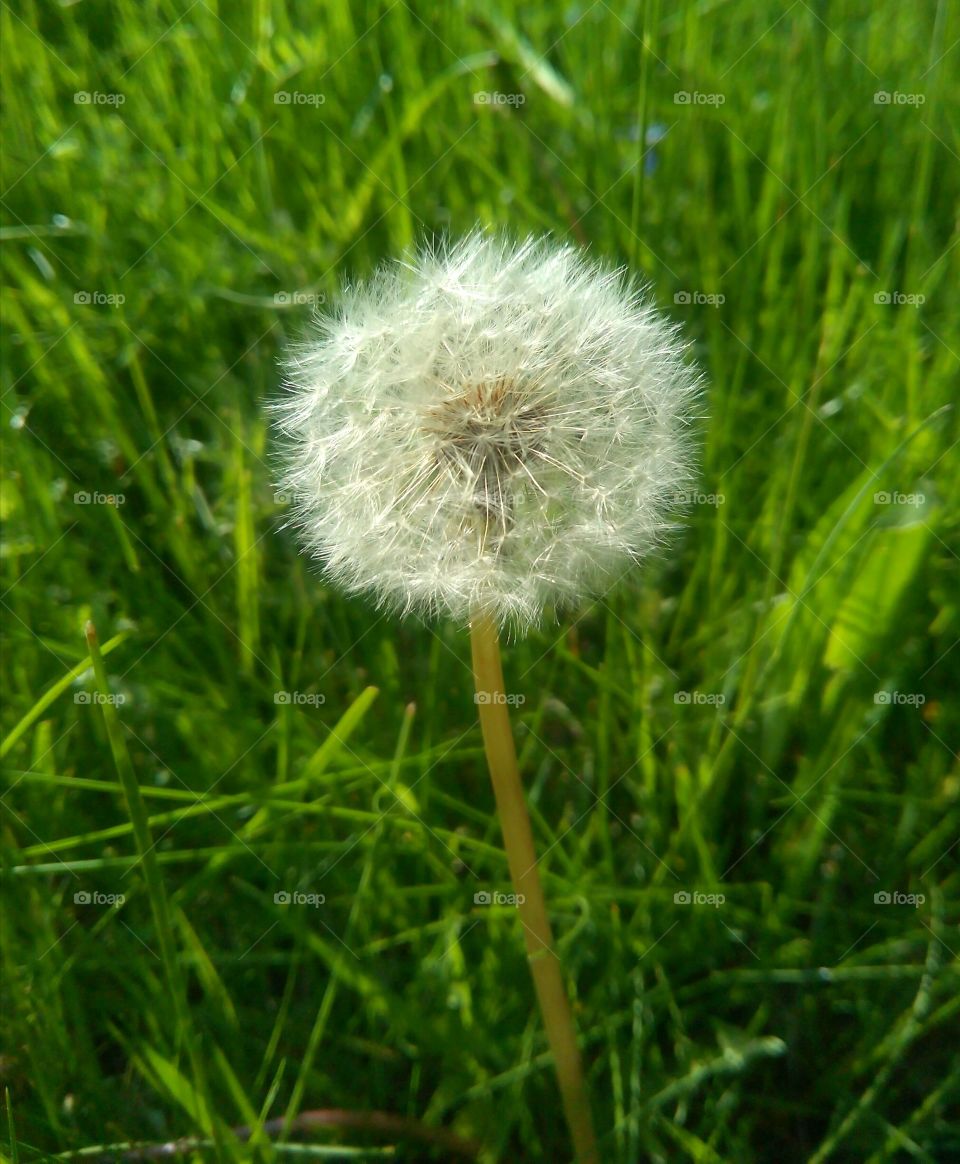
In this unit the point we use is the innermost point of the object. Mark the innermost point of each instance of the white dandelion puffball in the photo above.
(488, 429)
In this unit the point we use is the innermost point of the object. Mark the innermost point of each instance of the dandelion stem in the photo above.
(522, 859)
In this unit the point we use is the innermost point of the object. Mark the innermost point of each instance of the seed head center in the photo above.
(489, 425)
(486, 436)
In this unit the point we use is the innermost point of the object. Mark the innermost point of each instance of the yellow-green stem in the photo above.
(522, 859)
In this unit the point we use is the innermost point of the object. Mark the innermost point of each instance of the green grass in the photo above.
(799, 1020)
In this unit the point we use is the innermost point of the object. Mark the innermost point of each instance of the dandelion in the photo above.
(492, 428)
(489, 430)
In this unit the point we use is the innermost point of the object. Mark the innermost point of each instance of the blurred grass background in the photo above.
(769, 713)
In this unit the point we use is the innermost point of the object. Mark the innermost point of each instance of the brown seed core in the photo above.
(486, 434)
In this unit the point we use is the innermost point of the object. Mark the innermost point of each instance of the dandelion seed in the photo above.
(492, 426)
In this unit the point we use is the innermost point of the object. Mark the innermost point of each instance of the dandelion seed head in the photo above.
(492, 427)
